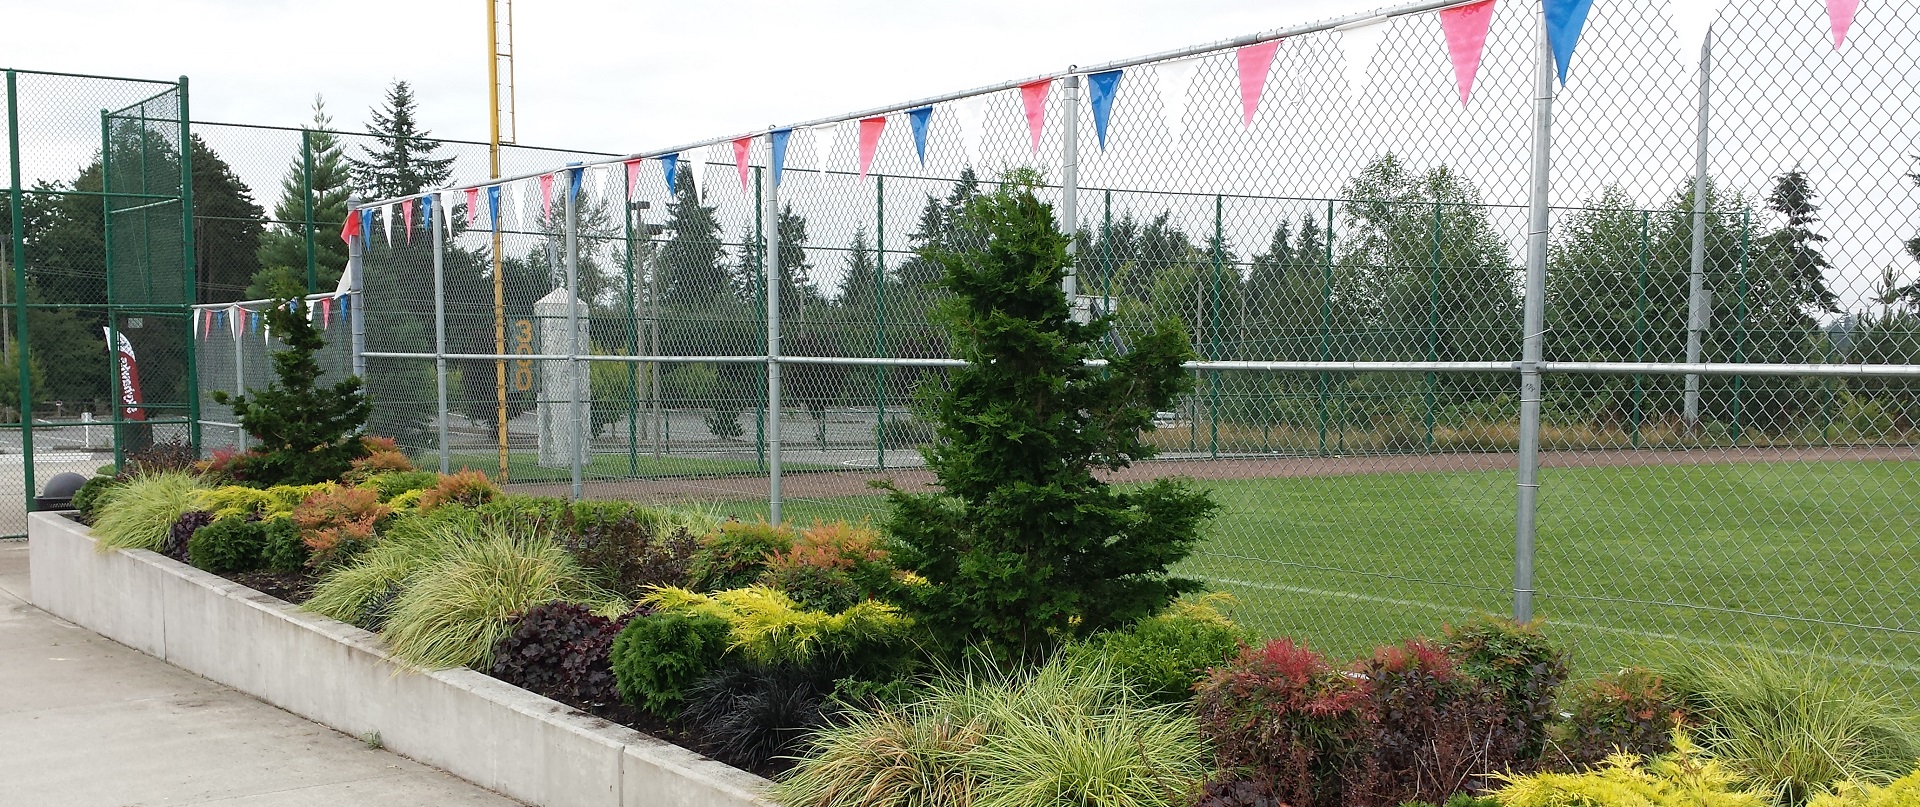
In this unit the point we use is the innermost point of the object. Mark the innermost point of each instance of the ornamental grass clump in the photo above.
(360, 591)
(455, 609)
(1793, 729)
(140, 512)
(1065, 733)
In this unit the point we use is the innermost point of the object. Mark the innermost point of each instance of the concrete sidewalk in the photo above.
(85, 721)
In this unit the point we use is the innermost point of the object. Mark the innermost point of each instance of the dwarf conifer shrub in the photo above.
(658, 657)
(231, 544)
(306, 431)
(1026, 546)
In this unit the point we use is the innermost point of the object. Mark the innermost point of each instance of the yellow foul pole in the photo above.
(499, 281)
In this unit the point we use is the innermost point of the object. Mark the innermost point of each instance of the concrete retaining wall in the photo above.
(483, 730)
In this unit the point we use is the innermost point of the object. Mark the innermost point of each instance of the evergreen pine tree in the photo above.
(690, 263)
(306, 432)
(400, 162)
(283, 248)
(1801, 264)
(1026, 547)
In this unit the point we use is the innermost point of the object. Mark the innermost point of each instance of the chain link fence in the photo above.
(1724, 441)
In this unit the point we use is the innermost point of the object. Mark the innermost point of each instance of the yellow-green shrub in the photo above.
(1686, 777)
(767, 627)
(1903, 792)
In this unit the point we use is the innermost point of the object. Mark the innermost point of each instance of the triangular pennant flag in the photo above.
(201, 323)
(366, 225)
(1033, 98)
(573, 182)
(1565, 18)
(633, 177)
(406, 215)
(971, 114)
(351, 227)
(449, 209)
(824, 138)
(386, 222)
(1465, 28)
(235, 316)
(1100, 90)
(777, 148)
(1254, 61)
(1840, 16)
(742, 151)
(1174, 77)
(546, 197)
(870, 129)
(493, 206)
(346, 304)
(669, 166)
(918, 119)
(326, 312)
(473, 206)
(426, 212)
(516, 206)
(1357, 45)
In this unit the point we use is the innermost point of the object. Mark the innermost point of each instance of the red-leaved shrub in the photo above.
(1281, 714)
(338, 522)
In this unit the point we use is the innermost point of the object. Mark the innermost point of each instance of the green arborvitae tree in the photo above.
(1800, 267)
(307, 432)
(283, 248)
(401, 161)
(692, 262)
(1027, 547)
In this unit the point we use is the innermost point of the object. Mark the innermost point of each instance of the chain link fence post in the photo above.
(441, 413)
(18, 226)
(770, 258)
(1533, 331)
(576, 369)
(1698, 309)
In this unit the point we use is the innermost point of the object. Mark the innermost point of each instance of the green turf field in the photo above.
(1818, 558)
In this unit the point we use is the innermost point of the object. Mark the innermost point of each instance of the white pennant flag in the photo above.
(1174, 78)
(1691, 21)
(1358, 44)
(449, 198)
(971, 113)
(824, 138)
(386, 222)
(517, 203)
(238, 316)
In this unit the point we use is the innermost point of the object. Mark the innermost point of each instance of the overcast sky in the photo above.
(609, 76)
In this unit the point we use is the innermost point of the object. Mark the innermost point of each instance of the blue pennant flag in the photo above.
(426, 211)
(778, 139)
(1100, 90)
(366, 226)
(669, 163)
(346, 302)
(920, 118)
(493, 205)
(573, 180)
(1565, 18)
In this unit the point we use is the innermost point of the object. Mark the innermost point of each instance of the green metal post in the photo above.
(629, 213)
(306, 204)
(186, 257)
(1740, 331)
(113, 325)
(1433, 321)
(1326, 326)
(18, 226)
(1640, 329)
(1213, 329)
(880, 312)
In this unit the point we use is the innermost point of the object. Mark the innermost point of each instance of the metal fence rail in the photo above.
(1638, 353)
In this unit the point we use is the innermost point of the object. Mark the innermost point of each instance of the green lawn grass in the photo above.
(1818, 559)
(524, 466)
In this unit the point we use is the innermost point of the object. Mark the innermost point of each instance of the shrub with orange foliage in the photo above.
(335, 524)
(466, 488)
(831, 566)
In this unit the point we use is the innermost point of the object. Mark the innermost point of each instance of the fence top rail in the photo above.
(450, 140)
(59, 74)
(1336, 23)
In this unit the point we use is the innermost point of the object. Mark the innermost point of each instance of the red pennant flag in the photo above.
(633, 177)
(1840, 15)
(742, 148)
(1466, 30)
(1255, 62)
(870, 129)
(473, 207)
(546, 196)
(352, 226)
(326, 312)
(406, 213)
(1033, 96)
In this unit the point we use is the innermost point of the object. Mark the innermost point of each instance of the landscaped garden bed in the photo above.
(1014, 640)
